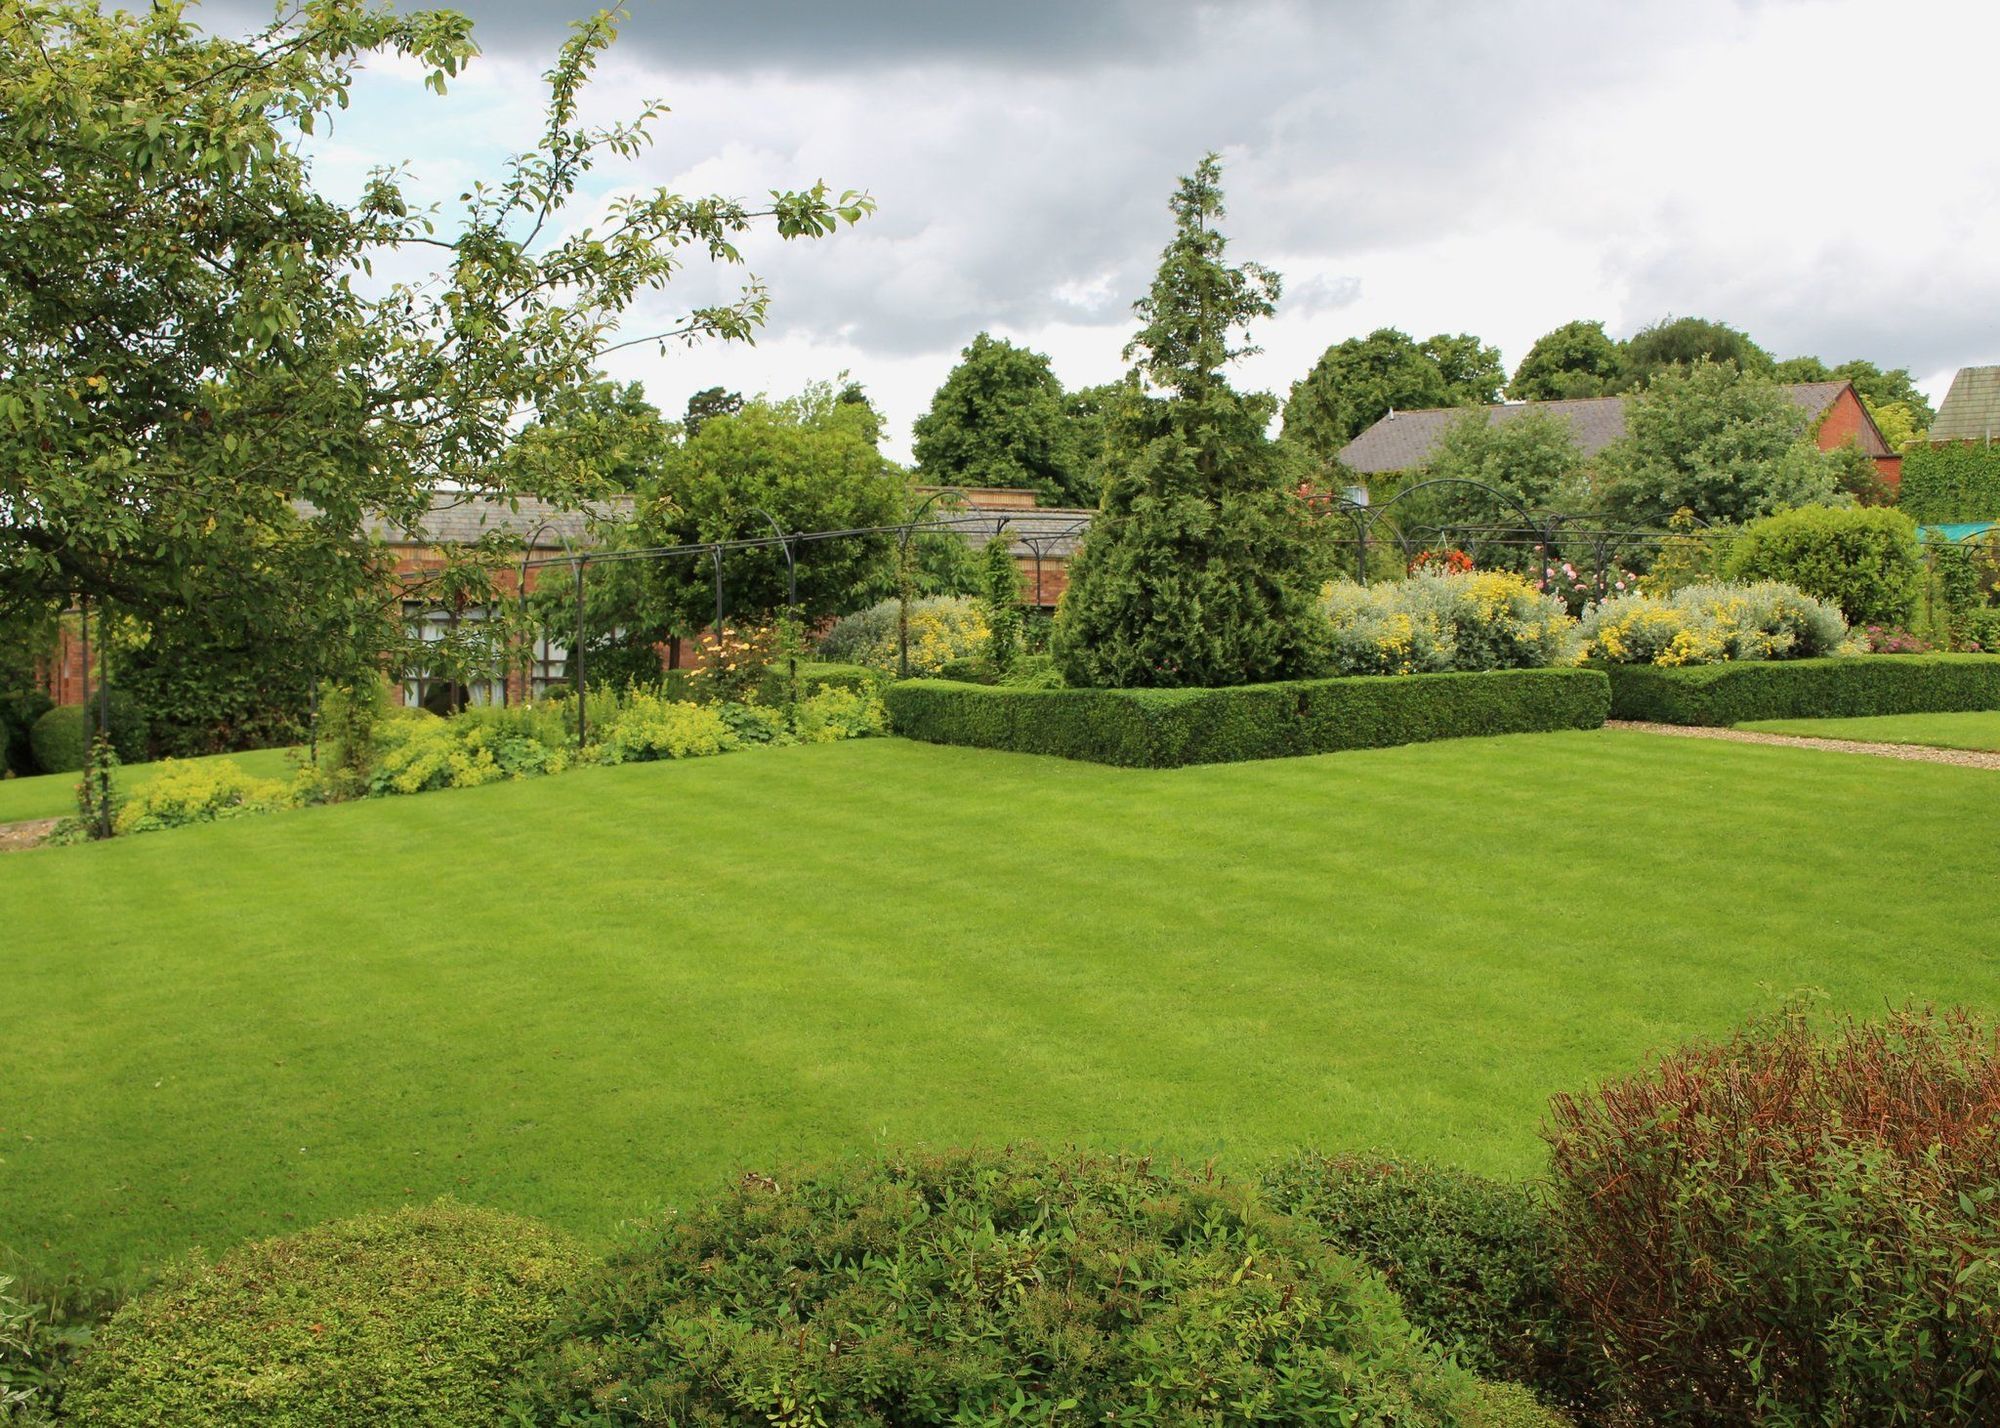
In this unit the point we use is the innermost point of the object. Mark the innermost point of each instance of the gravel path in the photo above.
(15, 836)
(1915, 753)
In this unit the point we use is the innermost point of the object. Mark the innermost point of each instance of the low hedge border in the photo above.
(1719, 695)
(1170, 728)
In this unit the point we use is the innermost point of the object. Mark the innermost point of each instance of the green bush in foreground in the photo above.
(1472, 1260)
(980, 1287)
(1167, 728)
(413, 1319)
(1718, 695)
(1793, 1227)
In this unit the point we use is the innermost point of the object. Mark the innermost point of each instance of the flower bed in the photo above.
(1168, 728)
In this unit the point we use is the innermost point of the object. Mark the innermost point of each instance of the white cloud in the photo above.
(1798, 169)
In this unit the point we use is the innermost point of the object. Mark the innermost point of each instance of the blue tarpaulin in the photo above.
(1956, 531)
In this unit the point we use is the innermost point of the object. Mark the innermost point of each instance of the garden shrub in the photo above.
(1472, 1260)
(752, 725)
(647, 726)
(733, 664)
(1712, 623)
(942, 628)
(179, 794)
(1863, 559)
(19, 709)
(976, 1287)
(1166, 728)
(419, 755)
(411, 1318)
(833, 714)
(60, 738)
(1718, 695)
(1441, 620)
(44, 1325)
(1792, 1227)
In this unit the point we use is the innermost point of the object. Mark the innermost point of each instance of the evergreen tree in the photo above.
(1200, 568)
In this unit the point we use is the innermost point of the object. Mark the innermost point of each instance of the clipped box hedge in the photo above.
(1723, 694)
(1168, 728)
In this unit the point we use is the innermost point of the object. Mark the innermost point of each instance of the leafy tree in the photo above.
(1200, 568)
(1357, 382)
(1532, 457)
(1902, 425)
(1727, 445)
(1088, 409)
(1684, 341)
(810, 463)
(192, 385)
(1876, 387)
(1575, 360)
(1000, 420)
(709, 402)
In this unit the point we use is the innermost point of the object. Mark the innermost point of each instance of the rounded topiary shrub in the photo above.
(1472, 1259)
(417, 1317)
(968, 1286)
(60, 738)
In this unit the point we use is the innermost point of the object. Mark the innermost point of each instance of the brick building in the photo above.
(1042, 540)
(1406, 441)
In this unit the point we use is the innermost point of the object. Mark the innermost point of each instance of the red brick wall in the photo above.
(1847, 420)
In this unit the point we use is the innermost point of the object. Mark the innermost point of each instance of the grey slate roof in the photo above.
(1403, 441)
(1971, 409)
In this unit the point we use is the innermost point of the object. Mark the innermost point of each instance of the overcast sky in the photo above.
(1818, 172)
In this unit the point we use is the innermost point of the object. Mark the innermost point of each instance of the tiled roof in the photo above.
(1403, 441)
(1971, 409)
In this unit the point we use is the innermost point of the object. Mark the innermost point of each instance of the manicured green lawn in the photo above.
(54, 795)
(590, 997)
(1979, 730)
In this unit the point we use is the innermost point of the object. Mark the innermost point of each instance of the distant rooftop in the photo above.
(1403, 441)
(1971, 409)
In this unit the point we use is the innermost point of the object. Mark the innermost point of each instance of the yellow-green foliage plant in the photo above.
(650, 727)
(1436, 622)
(414, 1317)
(184, 793)
(832, 714)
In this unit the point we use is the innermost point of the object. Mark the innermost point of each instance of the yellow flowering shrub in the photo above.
(1712, 623)
(942, 628)
(1439, 620)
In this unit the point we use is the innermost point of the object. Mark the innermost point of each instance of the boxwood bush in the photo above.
(1472, 1259)
(1723, 694)
(415, 1318)
(60, 738)
(1862, 558)
(984, 1287)
(1800, 1225)
(1167, 728)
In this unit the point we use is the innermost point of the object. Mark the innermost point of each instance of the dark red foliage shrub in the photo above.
(1797, 1226)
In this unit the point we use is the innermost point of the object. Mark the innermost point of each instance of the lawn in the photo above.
(54, 795)
(1979, 730)
(590, 997)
